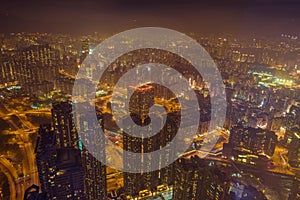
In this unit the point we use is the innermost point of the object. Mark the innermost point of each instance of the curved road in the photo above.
(29, 165)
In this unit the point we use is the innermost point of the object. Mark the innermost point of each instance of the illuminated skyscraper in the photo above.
(60, 169)
(7, 70)
(139, 107)
(85, 49)
(66, 169)
(33, 68)
(64, 127)
(294, 116)
(141, 102)
(196, 179)
(46, 157)
(293, 141)
(256, 140)
(95, 171)
(38, 65)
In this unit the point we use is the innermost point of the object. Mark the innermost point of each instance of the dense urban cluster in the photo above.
(42, 156)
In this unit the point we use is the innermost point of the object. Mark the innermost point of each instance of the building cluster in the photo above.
(292, 139)
(263, 114)
(66, 169)
(250, 145)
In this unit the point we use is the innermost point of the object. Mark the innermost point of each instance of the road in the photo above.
(22, 134)
(10, 172)
(281, 164)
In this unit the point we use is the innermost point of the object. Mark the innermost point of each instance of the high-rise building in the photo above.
(293, 117)
(7, 70)
(95, 171)
(32, 68)
(139, 107)
(46, 157)
(293, 144)
(85, 49)
(37, 64)
(60, 169)
(69, 177)
(256, 140)
(67, 170)
(141, 102)
(195, 179)
(64, 84)
(64, 127)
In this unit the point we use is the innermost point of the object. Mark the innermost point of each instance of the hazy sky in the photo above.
(248, 17)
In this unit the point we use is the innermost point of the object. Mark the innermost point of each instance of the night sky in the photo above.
(243, 17)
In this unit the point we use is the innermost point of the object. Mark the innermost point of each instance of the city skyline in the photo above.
(150, 100)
